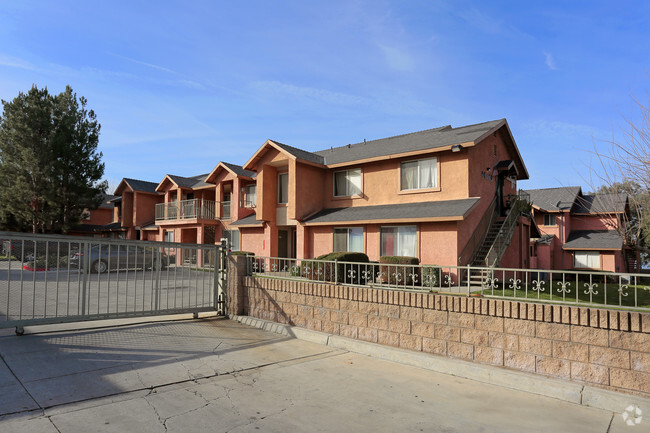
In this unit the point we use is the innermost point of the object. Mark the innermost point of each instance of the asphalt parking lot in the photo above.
(218, 375)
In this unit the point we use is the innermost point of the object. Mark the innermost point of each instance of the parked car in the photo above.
(25, 250)
(104, 258)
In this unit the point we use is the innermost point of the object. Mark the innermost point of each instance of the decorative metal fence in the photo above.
(48, 279)
(601, 289)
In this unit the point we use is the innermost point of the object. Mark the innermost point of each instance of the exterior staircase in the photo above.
(497, 239)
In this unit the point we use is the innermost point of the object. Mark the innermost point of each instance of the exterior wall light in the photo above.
(455, 148)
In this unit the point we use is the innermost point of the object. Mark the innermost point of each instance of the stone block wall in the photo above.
(598, 347)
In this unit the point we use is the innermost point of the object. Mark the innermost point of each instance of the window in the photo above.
(348, 239)
(419, 174)
(550, 220)
(233, 239)
(283, 188)
(399, 241)
(347, 183)
(169, 236)
(251, 196)
(586, 259)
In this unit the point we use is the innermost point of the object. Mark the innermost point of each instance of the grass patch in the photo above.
(606, 294)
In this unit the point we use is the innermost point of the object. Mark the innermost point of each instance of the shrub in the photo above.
(392, 273)
(431, 276)
(344, 273)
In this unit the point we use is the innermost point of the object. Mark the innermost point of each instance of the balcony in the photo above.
(192, 210)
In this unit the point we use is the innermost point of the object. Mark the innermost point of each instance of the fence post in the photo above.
(469, 280)
(336, 271)
(86, 277)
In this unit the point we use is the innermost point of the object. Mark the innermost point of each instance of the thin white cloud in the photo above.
(279, 89)
(397, 59)
(149, 65)
(14, 62)
(550, 61)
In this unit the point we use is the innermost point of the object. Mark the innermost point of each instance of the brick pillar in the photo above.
(236, 269)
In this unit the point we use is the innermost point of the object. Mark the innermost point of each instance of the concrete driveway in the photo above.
(218, 375)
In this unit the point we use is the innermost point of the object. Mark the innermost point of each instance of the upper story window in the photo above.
(550, 220)
(348, 239)
(283, 188)
(250, 196)
(419, 174)
(347, 183)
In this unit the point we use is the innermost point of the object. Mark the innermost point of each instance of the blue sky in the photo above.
(215, 79)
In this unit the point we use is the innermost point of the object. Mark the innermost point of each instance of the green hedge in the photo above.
(400, 275)
(325, 271)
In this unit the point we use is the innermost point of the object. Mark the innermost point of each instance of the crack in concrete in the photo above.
(611, 421)
(49, 418)
(162, 421)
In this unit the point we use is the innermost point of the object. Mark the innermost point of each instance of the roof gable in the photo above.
(193, 182)
(554, 199)
(235, 169)
(135, 185)
(289, 151)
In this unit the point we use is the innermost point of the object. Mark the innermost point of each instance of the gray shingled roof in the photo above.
(554, 199)
(593, 240)
(107, 202)
(249, 220)
(239, 170)
(432, 209)
(190, 182)
(600, 203)
(299, 153)
(429, 139)
(141, 185)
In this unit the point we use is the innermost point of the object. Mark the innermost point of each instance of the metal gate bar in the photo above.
(53, 279)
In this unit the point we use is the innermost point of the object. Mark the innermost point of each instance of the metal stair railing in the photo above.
(475, 241)
(501, 242)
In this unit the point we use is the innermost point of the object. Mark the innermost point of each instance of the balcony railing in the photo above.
(193, 209)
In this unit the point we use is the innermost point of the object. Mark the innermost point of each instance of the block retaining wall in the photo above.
(599, 347)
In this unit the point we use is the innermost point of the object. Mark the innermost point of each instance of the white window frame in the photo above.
(434, 178)
(247, 202)
(348, 183)
(166, 236)
(233, 235)
(397, 246)
(347, 242)
(550, 215)
(280, 177)
(591, 260)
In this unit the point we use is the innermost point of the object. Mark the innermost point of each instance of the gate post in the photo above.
(220, 277)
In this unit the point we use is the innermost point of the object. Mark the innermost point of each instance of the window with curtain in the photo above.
(399, 241)
(348, 239)
(347, 183)
(419, 174)
(283, 188)
(169, 236)
(586, 260)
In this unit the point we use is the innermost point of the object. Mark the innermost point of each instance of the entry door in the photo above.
(283, 243)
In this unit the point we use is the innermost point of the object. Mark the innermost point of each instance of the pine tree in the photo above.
(50, 169)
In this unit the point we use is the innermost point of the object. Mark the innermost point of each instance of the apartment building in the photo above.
(431, 194)
(580, 231)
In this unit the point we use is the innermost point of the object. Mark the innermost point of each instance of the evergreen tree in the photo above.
(50, 169)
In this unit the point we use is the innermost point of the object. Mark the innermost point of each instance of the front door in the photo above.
(283, 243)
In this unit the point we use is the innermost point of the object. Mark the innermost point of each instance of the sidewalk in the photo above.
(219, 375)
